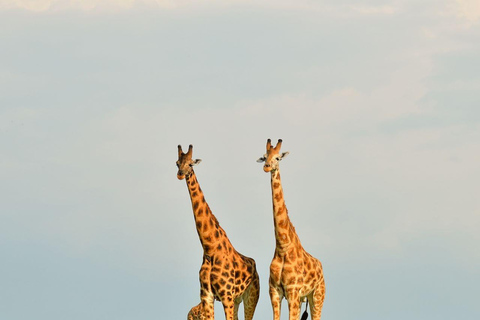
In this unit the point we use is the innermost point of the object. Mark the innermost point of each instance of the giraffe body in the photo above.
(294, 273)
(225, 274)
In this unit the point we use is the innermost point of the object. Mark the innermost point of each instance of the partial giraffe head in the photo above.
(273, 156)
(185, 162)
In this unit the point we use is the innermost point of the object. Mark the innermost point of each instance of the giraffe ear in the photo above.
(196, 161)
(261, 159)
(284, 154)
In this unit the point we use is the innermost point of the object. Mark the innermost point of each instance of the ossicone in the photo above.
(180, 152)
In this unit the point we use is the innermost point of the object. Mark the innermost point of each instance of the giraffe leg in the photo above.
(251, 297)
(316, 301)
(206, 294)
(207, 306)
(235, 309)
(293, 304)
(276, 296)
(229, 308)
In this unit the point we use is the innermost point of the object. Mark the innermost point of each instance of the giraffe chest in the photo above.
(222, 282)
(229, 277)
(291, 271)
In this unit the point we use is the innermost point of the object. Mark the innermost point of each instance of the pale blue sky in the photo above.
(378, 103)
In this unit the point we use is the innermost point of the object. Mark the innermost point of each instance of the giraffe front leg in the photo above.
(229, 307)
(206, 294)
(235, 310)
(275, 286)
(207, 305)
(276, 296)
(250, 298)
(293, 298)
(316, 301)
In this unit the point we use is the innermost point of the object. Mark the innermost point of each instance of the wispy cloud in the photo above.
(374, 10)
(378, 111)
(84, 5)
(32, 5)
(468, 10)
(108, 5)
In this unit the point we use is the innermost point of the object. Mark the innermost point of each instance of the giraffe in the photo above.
(225, 274)
(294, 273)
(195, 313)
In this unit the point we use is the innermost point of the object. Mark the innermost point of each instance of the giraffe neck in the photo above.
(208, 229)
(284, 231)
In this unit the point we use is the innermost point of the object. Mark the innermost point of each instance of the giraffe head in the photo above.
(185, 162)
(273, 156)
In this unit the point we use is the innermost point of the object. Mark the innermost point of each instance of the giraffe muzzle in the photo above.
(180, 175)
